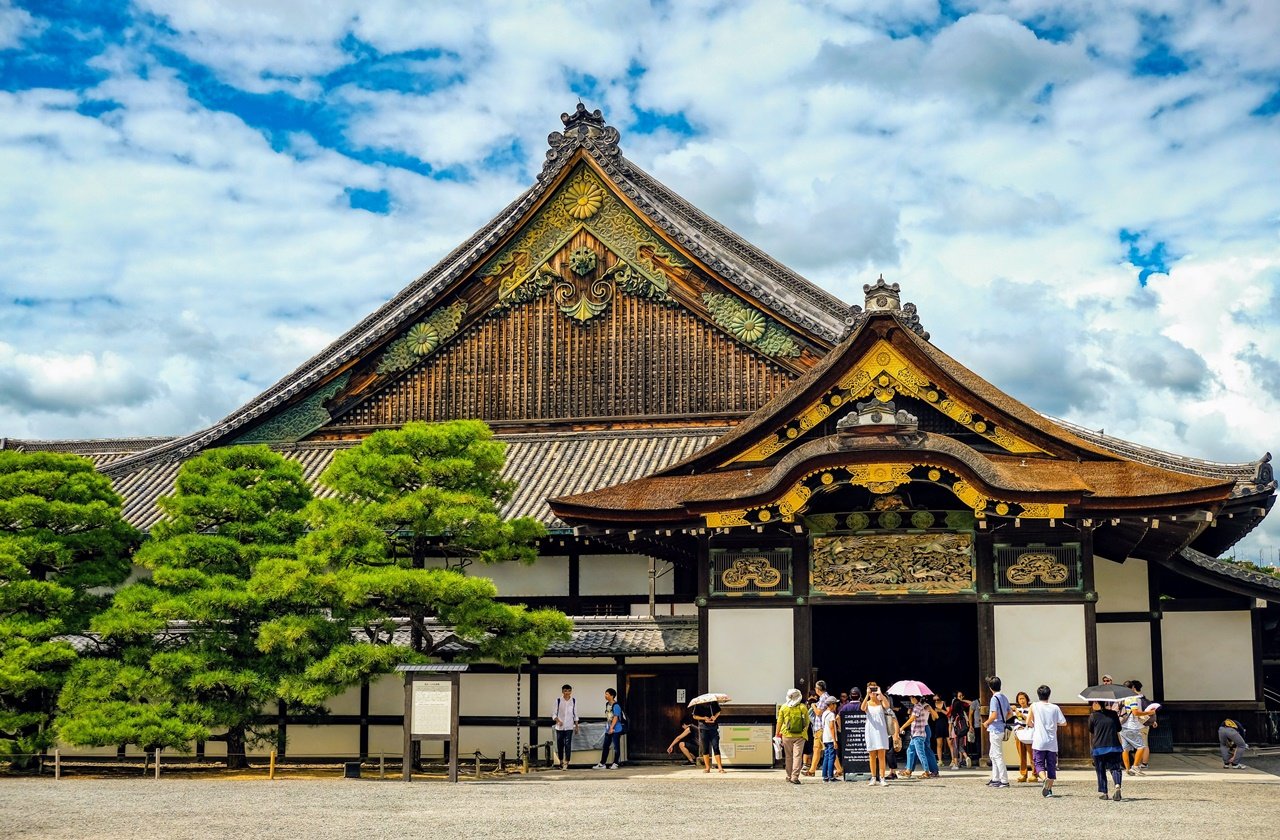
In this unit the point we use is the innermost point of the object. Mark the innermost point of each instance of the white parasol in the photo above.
(709, 698)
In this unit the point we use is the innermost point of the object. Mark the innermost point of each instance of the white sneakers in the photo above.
(598, 767)
(602, 767)
(613, 766)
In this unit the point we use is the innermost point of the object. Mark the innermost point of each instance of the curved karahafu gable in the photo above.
(886, 409)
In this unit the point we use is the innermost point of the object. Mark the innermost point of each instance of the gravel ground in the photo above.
(1189, 796)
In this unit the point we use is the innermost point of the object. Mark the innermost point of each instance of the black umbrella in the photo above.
(1107, 693)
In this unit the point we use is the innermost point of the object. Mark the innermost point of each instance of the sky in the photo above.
(1082, 198)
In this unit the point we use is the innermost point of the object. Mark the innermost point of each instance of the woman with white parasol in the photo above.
(706, 711)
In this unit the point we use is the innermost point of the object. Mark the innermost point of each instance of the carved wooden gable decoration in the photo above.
(584, 314)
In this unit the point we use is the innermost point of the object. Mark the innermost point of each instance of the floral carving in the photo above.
(583, 261)
(750, 326)
(583, 199)
(422, 339)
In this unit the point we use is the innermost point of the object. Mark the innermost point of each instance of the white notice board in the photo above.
(432, 707)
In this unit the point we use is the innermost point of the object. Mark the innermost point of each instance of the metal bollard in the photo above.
(57, 764)
(502, 761)
(477, 764)
(524, 761)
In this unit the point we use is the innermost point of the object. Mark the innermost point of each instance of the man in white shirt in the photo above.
(565, 723)
(1044, 720)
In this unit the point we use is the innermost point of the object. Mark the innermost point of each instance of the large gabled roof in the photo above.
(786, 295)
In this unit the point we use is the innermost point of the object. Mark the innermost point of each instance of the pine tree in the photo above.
(62, 540)
(229, 613)
(415, 508)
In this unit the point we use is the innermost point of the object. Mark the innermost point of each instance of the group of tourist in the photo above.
(1117, 732)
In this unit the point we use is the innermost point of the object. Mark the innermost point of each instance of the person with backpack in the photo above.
(565, 723)
(958, 717)
(793, 724)
(614, 726)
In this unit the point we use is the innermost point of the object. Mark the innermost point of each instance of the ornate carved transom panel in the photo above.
(1037, 567)
(750, 571)
(886, 564)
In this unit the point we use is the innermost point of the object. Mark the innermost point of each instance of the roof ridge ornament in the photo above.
(583, 129)
(887, 297)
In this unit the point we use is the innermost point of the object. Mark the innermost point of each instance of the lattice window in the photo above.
(1038, 568)
(750, 571)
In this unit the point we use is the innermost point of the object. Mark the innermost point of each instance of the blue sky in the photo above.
(1081, 197)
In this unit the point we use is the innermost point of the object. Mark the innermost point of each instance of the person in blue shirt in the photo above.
(613, 728)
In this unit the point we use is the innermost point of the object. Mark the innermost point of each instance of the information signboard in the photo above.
(853, 744)
(746, 745)
(432, 707)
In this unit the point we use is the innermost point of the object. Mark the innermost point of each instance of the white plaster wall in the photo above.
(1124, 651)
(386, 695)
(665, 609)
(620, 574)
(1207, 655)
(751, 653)
(548, 576)
(346, 703)
(71, 751)
(491, 694)
(489, 740)
(326, 740)
(1121, 587)
(389, 741)
(1041, 643)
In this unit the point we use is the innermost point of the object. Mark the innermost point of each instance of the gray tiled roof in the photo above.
(1257, 583)
(543, 466)
(591, 636)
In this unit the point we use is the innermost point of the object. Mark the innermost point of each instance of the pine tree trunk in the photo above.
(236, 758)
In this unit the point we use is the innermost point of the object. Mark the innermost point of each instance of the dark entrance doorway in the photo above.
(653, 711)
(935, 643)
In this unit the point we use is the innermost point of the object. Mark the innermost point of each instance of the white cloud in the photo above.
(986, 169)
(15, 24)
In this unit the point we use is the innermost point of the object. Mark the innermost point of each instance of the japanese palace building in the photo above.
(750, 484)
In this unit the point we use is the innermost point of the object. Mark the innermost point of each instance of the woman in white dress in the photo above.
(876, 705)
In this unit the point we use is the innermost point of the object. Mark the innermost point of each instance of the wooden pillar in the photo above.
(704, 577)
(364, 719)
(802, 628)
(1090, 606)
(1157, 638)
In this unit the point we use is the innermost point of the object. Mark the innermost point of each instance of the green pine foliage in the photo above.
(414, 508)
(61, 539)
(201, 649)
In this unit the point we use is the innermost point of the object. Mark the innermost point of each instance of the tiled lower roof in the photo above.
(542, 466)
(591, 636)
(1261, 583)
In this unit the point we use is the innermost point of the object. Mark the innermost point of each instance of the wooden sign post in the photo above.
(431, 711)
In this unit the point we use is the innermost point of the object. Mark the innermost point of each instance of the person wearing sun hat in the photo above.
(792, 724)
